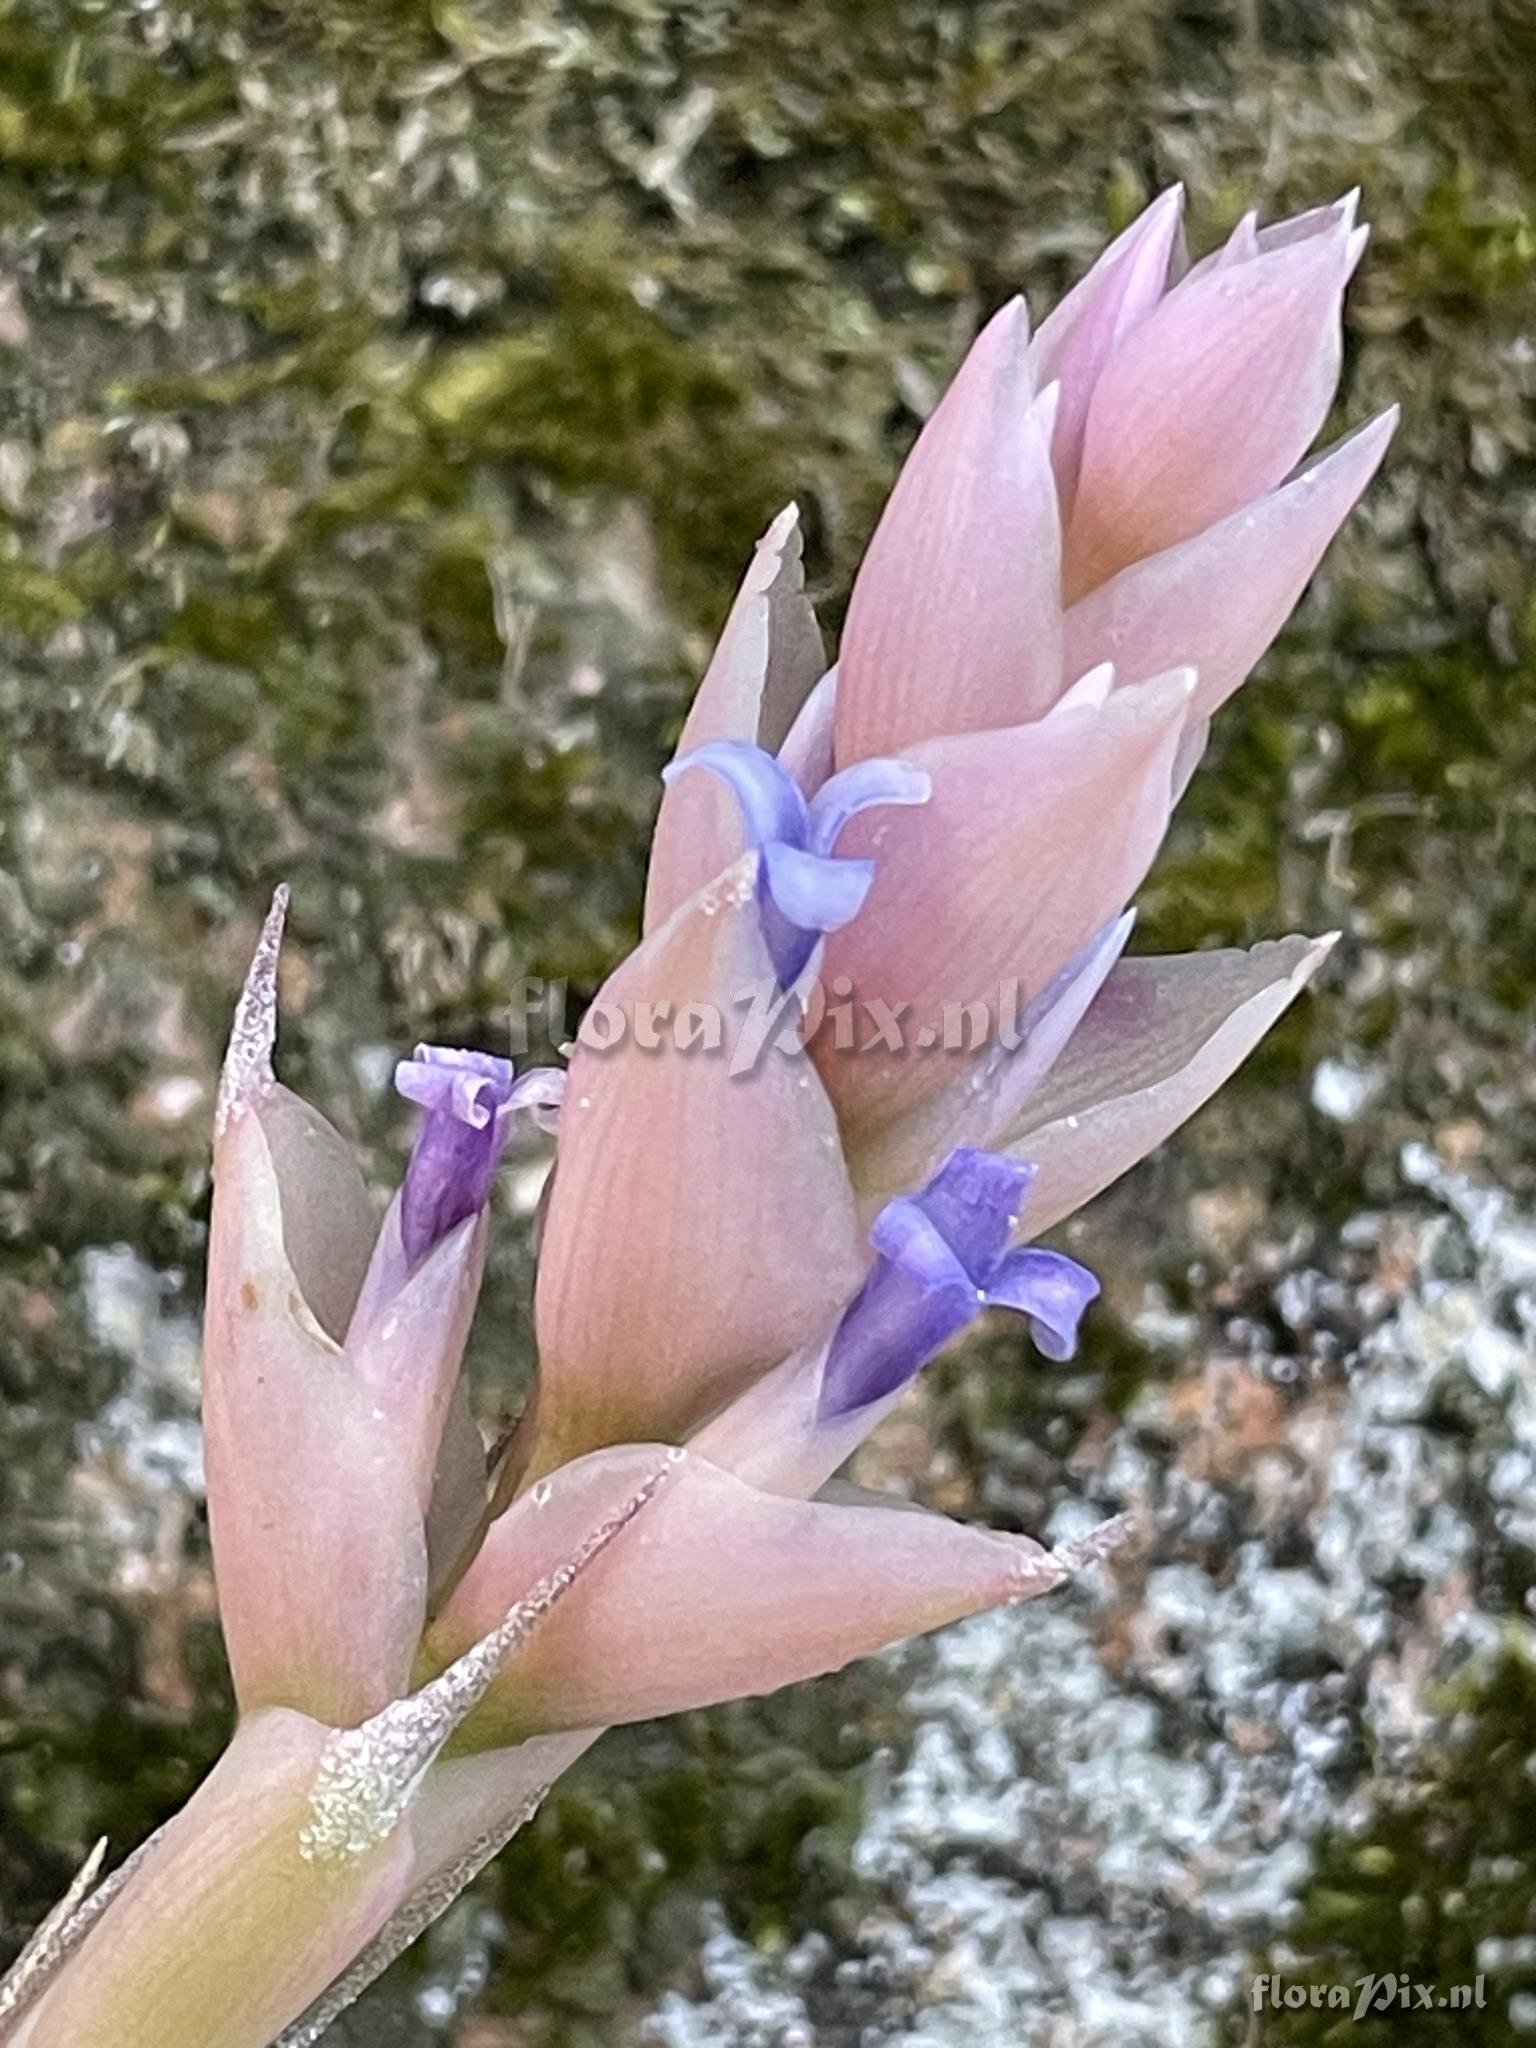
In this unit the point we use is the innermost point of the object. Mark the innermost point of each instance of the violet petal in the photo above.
(942, 1257)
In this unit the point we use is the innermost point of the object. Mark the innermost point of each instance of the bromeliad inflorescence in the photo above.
(742, 1266)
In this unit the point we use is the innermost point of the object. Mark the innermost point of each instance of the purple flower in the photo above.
(471, 1101)
(942, 1256)
(802, 890)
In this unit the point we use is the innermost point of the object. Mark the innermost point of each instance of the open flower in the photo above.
(740, 1579)
(331, 1367)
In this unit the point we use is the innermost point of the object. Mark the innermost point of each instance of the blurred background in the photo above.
(392, 392)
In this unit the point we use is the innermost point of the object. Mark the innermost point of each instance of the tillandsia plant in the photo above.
(877, 1036)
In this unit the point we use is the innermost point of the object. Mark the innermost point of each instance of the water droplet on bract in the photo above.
(543, 1494)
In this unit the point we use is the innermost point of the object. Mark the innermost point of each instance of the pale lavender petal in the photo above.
(1162, 1037)
(453, 1165)
(770, 800)
(1208, 404)
(1180, 605)
(867, 786)
(954, 622)
(804, 892)
(974, 1201)
(941, 1256)
(812, 894)
(769, 656)
(917, 1297)
(1095, 317)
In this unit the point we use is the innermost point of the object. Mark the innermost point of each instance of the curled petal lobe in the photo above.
(974, 1202)
(811, 894)
(1051, 1290)
(867, 786)
(470, 1100)
(772, 806)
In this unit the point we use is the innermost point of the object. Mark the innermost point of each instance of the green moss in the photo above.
(1445, 1865)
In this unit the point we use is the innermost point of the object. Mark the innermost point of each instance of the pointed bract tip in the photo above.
(253, 1034)
(1009, 328)
(1315, 955)
(780, 527)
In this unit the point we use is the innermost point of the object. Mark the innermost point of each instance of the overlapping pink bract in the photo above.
(744, 1260)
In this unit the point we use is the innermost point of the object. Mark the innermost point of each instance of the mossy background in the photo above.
(391, 395)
